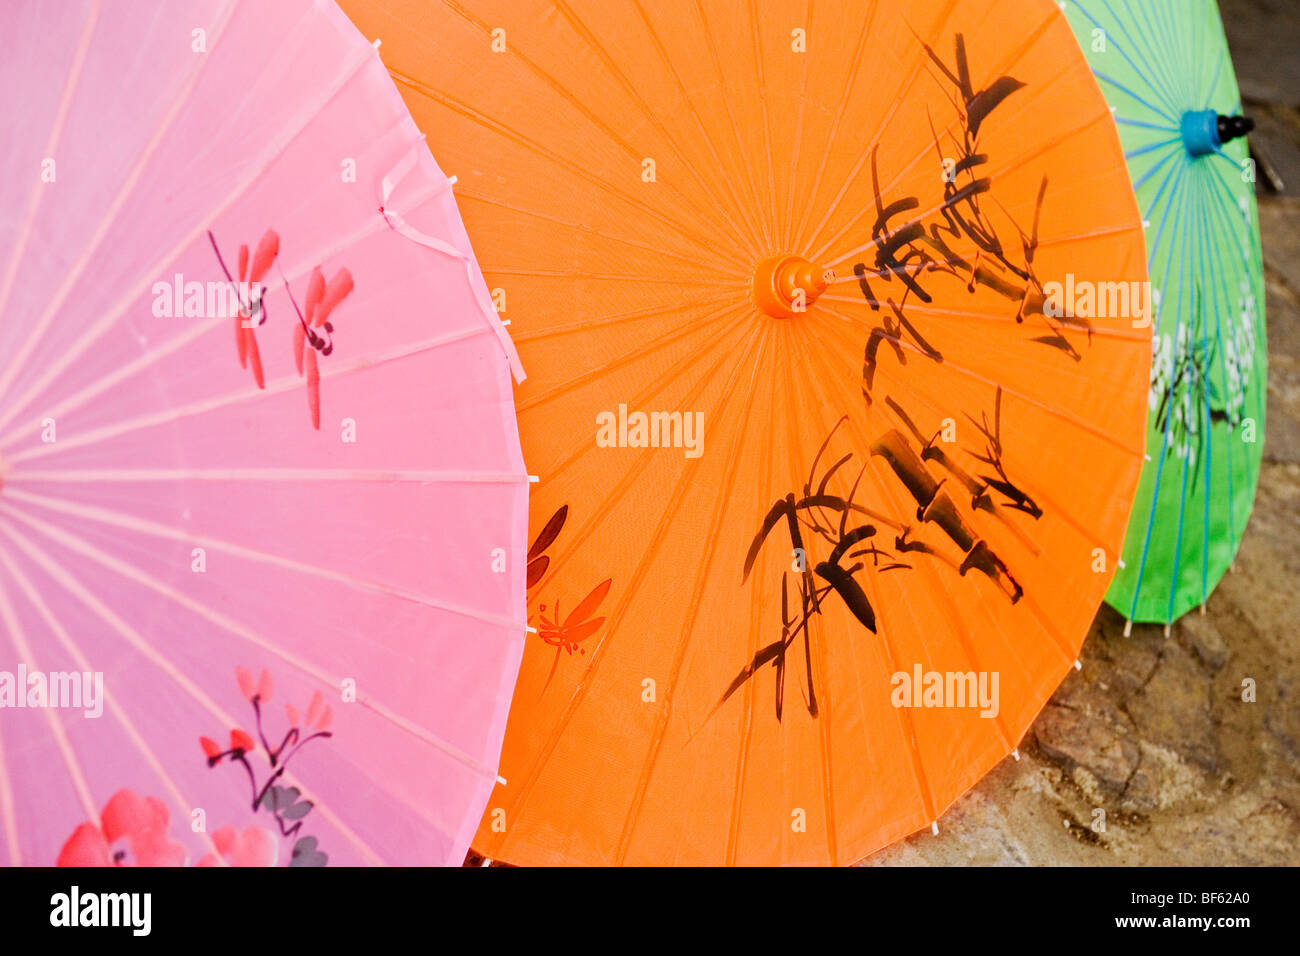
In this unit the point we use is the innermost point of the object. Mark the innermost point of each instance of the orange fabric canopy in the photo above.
(812, 431)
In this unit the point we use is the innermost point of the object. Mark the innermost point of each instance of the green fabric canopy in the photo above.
(1164, 68)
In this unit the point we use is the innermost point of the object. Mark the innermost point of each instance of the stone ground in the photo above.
(1153, 730)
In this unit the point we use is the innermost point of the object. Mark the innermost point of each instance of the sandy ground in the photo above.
(1153, 730)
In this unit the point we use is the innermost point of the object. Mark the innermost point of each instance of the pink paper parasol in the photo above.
(259, 473)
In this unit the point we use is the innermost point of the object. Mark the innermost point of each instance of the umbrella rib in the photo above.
(767, 125)
(758, 336)
(82, 475)
(145, 649)
(65, 639)
(1063, 645)
(291, 275)
(1225, 221)
(127, 187)
(1169, 57)
(712, 48)
(1063, 414)
(704, 242)
(1171, 156)
(690, 327)
(115, 311)
(766, 470)
(1160, 93)
(246, 394)
(1164, 442)
(1259, 362)
(952, 612)
(1166, 83)
(584, 531)
(1223, 366)
(177, 342)
(675, 280)
(816, 632)
(70, 85)
(7, 813)
(1141, 125)
(463, 194)
(586, 325)
(1197, 307)
(851, 74)
(1214, 82)
(121, 373)
(699, 122)
(787, 222)
(630, 88)
(865, 154)
(1039, 494)
(597, 656)
(957, 315)
(1021, 161)
(1124, 89)
(1208, 421)
(131, 572)
(595, 119)
(24, 652)
(1174, 30)
(127, 522)
(1175, 142)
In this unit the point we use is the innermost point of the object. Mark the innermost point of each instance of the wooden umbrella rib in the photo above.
(748, 693)
(7, 811)
(60, 736)
(712, 48)
(945, 598)
(137, 641)
(61, 634)
(131, 572)
(1052, 410)
(594, 118)
(276, 147)
(704, 242)
(796, 147)
(700, 127)
(132, 178)
(1164, 440)
(693, 171)
(582, 447)
(695, 263)
(70, 85)
(586, 325)
(692, 325)
(816, 631)
(246, 393)
(145, 361)
(122, 520)
(552, 738)
(1021, 160)
(864, 34)
(758, 337)
(1039, 494)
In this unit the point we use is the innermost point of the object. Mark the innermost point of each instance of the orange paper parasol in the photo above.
(836, 409)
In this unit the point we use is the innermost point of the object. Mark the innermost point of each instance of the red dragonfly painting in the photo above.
(314, 326)
(315, 329)
(567, 633)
